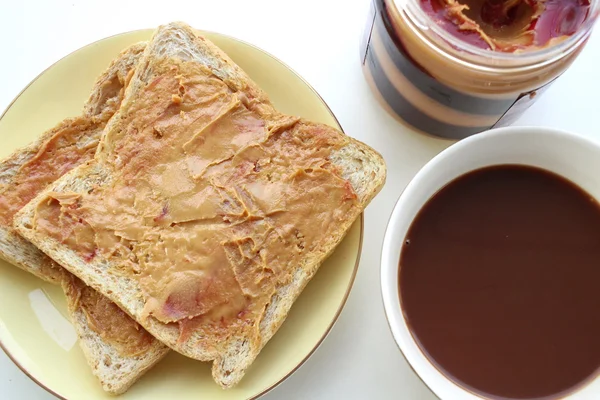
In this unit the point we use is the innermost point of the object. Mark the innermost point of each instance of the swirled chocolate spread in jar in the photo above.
(500, 283)
(452, 68)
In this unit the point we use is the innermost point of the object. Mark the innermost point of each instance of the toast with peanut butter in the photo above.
(118, 350)
(205, 211)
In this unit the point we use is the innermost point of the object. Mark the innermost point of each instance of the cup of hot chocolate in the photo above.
(491, 266)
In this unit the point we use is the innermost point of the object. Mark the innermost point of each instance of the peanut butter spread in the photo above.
(108, 320)
(71, 143)
(214, 201)
(509, 25)
(62, 151)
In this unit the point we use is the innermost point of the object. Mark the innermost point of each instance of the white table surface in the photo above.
(319, 39)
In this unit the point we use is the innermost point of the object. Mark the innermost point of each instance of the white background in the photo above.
(319, 39)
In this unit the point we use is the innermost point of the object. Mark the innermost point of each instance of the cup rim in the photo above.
(390, 258)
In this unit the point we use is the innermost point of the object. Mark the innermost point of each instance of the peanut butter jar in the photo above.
(453, 68)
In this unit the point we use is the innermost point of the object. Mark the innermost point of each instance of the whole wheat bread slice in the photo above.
(115, 371)
(359, 165)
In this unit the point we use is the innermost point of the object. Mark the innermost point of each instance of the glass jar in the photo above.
(441, 85)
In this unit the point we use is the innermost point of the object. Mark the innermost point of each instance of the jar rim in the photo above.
(483, 59)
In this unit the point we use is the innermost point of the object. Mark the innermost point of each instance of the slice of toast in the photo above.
(73, 142)
(209, 84)
(116, 365)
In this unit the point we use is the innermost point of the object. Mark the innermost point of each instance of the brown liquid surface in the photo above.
(500, 282)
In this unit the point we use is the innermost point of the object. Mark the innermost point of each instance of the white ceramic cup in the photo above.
(566, 154)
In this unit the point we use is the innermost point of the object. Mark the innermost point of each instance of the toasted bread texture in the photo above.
(359, 165)
(116, 367)
(19, 183)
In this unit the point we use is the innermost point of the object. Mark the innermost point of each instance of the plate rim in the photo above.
(361, 218)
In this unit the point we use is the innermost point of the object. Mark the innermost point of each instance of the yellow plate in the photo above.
(33, 330)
